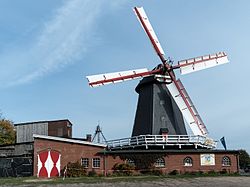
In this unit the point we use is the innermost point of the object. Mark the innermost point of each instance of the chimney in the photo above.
(88, 137)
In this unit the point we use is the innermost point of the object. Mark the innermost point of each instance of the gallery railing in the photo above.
(163, 140)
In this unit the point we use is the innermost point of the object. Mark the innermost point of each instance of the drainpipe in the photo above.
(238, 163)
(105, 163)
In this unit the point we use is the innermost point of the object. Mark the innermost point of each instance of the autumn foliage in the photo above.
(7, 132)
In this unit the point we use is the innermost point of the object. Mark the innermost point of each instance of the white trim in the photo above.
(160, 163)
(226, 163)
(188, 164)
(68, 140)
(86, 159)
(93, 162)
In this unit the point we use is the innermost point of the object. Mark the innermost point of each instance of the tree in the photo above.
(7, 132)
(244, 158)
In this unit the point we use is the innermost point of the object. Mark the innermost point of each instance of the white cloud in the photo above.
(62, 40)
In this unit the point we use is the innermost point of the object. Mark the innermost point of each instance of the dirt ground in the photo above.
(180, 182)
(169, 182)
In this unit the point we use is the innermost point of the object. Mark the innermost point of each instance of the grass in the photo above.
(35, 180)
(141, 178)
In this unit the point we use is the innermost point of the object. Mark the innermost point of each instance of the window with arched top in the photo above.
(130, 162)
(160, 162)
(226, 161)
(188, 161)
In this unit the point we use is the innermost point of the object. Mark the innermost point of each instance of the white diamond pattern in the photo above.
(49, 164)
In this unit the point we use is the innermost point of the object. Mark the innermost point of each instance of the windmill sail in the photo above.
(108, 78)
(187, 107)
(202, 62)
(143, 19)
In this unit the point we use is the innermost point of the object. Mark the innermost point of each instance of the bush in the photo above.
(146, 172)
(74, 170)
(212, 172)
(123, 169)
(92, 173)
(174, 172)
(195, 173)
(101, 175)
(224, 171)
(157, 172)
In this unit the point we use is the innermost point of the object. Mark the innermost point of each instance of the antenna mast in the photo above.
(98, 134)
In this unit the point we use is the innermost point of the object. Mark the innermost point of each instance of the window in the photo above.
(85, 162)
(160, 162)
(96, 162)
(188, 161)
(130, 162)
(226, 161)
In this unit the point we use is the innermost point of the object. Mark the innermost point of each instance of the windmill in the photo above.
(161, 82)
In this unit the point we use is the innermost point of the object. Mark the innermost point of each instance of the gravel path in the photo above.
(169, 182)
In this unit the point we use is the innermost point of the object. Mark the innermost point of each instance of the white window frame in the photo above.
(96, 160)
(188, 164)
(83, 160)
(130, 162)
(226, 162)
(160, 163)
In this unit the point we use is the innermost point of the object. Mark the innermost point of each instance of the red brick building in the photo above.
(70, 150)
(97, 157)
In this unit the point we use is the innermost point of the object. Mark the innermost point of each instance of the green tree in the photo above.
(244, 158)
(7, 132)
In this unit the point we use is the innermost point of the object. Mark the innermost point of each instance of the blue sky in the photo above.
(48, 47)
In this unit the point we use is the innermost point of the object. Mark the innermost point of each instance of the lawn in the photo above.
(142, 178)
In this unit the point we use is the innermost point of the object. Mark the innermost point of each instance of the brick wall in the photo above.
(70, 152)
(174, 161)
(61, 128)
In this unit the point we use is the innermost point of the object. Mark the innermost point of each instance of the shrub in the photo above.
(92, 173)
(101, 175)
(174, 172)
(74, 170)
(194, 173)
(224, 171)
(146, 172)
(201, 172)
(211, 172)
(157, 172)
(123, 169)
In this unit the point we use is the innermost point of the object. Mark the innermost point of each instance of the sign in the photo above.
(207, 159)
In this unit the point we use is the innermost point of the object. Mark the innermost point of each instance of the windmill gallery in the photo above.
(159, 138)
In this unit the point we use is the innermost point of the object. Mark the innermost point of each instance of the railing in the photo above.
(162, 140)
